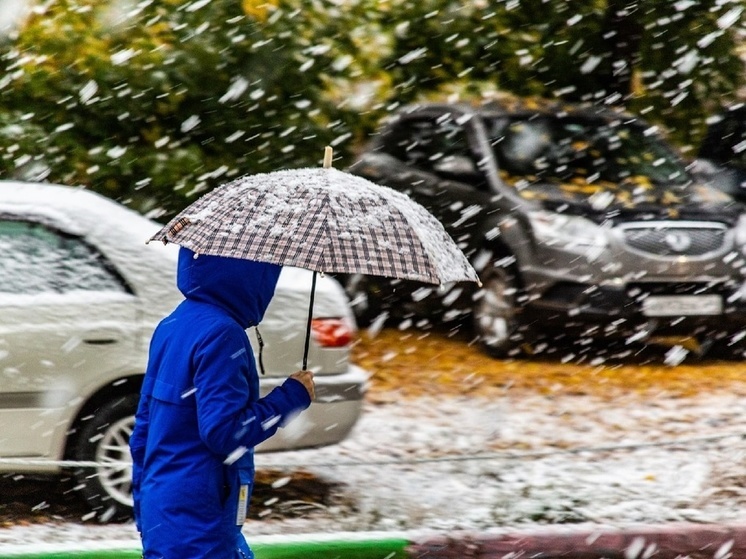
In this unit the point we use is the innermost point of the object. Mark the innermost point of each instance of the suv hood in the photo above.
(599, 201)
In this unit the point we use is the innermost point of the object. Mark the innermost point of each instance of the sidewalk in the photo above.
(666, 541)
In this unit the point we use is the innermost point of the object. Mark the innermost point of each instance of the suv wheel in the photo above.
(732, 348)
(494, 314)
(104, 438)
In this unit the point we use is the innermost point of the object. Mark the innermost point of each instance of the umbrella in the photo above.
(323, 220)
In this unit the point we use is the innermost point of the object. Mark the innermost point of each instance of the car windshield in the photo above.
(579, 157)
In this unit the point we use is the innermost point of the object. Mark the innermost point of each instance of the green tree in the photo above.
(675, 62)
(153, 102)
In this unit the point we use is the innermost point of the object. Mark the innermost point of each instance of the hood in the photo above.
(242, 288)
(689, 200)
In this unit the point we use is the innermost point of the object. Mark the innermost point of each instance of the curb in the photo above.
(358, 547)
(665, 541)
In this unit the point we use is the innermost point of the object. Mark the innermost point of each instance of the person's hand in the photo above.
(306, 379)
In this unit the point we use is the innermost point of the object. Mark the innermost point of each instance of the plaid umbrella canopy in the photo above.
(323, 220)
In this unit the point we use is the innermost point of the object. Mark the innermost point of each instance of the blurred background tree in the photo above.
(673, 61)
(152, 102)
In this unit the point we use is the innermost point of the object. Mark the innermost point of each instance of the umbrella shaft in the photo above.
(308, 325)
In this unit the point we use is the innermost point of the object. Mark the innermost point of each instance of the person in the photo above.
(200, 415)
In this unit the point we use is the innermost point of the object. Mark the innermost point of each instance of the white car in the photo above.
(80, 294)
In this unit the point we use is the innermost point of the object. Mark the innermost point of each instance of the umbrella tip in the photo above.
(328, 153)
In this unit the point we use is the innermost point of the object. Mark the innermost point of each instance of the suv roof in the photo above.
(491, 107)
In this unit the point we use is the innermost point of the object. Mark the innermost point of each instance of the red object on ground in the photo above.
(667, 541)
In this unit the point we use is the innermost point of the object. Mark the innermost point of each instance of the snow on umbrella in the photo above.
(323, 220)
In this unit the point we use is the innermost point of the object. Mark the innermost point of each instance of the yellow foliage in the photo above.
(580, 185)
(259, 9)
(671, 198)
(640, 181)
(638, 85)
(580, 145)
(412, 364)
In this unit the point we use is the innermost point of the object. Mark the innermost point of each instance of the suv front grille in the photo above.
(686, 238)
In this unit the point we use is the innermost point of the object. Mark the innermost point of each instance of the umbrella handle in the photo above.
(308, 325)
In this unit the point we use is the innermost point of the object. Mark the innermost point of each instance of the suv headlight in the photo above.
(569, 232)
(741, 233)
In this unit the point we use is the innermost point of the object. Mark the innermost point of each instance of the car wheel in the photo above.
(104, 438)
(731, 348)
(494, 315)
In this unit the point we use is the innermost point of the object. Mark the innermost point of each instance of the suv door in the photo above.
(67, 324)
(443, 173)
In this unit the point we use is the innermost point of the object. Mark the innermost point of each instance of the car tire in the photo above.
(494, 313)
(104, 437)
(730, 348)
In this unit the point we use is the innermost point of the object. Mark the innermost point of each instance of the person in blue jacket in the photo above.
(200, 415)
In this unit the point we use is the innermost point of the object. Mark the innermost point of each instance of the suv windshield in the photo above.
(579, 158)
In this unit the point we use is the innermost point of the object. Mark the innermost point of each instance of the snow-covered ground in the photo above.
(466, 463)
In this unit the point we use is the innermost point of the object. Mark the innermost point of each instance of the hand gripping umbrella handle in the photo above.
(308, 325)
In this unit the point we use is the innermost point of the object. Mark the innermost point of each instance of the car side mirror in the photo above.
(723, 178)
(457, 166)
(703, 168)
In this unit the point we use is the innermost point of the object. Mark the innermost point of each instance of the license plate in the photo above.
(682, 305)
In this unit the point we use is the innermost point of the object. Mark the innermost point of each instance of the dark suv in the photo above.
(580, 221)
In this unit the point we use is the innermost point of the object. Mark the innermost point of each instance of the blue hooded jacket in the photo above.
(200, 414)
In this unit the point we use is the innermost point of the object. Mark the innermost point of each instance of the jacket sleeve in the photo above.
(137, 449)
(229, 415)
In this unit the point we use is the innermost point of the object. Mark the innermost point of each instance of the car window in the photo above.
(581, 157)
(433, 144)
(566, 149)
(36, 259)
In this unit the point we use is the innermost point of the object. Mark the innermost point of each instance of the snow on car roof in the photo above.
(80, 211)
(76, 209)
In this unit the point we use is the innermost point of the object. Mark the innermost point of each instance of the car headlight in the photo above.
(741, 233)
(569, 232)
